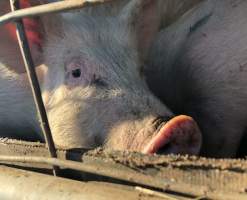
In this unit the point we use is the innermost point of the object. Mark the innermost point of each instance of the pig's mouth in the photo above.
(179, 135)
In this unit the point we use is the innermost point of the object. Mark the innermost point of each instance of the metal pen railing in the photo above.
(16, 15)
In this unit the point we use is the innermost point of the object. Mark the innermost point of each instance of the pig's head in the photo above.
(94, 91)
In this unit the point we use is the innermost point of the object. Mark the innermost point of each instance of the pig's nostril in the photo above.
(160, 121)
(180, 135)
(164, 149)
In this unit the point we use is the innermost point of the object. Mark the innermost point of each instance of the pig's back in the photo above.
(204, 61)
(215, 57)
(198, 67)
(17, 113)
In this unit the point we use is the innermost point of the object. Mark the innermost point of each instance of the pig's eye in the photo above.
(76, 73)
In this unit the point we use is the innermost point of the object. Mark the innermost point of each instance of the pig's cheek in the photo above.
(45, 96)
(70, 81)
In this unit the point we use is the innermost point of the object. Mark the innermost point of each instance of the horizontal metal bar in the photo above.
(19, 184)
(93, 169)
(157, 176)
(49, 8)
(84, 167)
(180, 174)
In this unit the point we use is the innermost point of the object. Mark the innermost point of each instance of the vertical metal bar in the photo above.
(30, 68)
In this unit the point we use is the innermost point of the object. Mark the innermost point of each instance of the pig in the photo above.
(93, 88)
(9, 50)
(15, 95)
(197, 66)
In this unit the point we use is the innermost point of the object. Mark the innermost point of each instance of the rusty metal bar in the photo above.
(30, 68)
(49, 8)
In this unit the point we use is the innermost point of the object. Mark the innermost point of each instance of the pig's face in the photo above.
(94, 92)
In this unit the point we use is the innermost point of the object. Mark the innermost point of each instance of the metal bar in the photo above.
(49, 8)
(30, 68)
(19, 184)
(171, 174)
(90, 168)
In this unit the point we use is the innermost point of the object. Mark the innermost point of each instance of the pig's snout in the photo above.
(179, 135)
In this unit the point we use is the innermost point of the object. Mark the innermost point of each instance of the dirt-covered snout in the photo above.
(157, 134)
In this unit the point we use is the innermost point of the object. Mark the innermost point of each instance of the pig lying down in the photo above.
(93, 90)
(198, 66)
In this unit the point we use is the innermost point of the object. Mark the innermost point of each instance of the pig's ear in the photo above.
(48, 23)
(10, 54)
(37, 30)
(141, 17)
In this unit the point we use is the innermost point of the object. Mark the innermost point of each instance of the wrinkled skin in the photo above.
(93, 88)
(197, 66)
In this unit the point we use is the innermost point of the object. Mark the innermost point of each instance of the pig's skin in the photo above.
(168, 11)
(122, 95)
(198, 67)
(18, 117)
(102, 105)
(10, 54)
(112, 94)
(9, 50)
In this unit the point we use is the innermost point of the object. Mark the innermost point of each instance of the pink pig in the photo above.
(93, 88)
